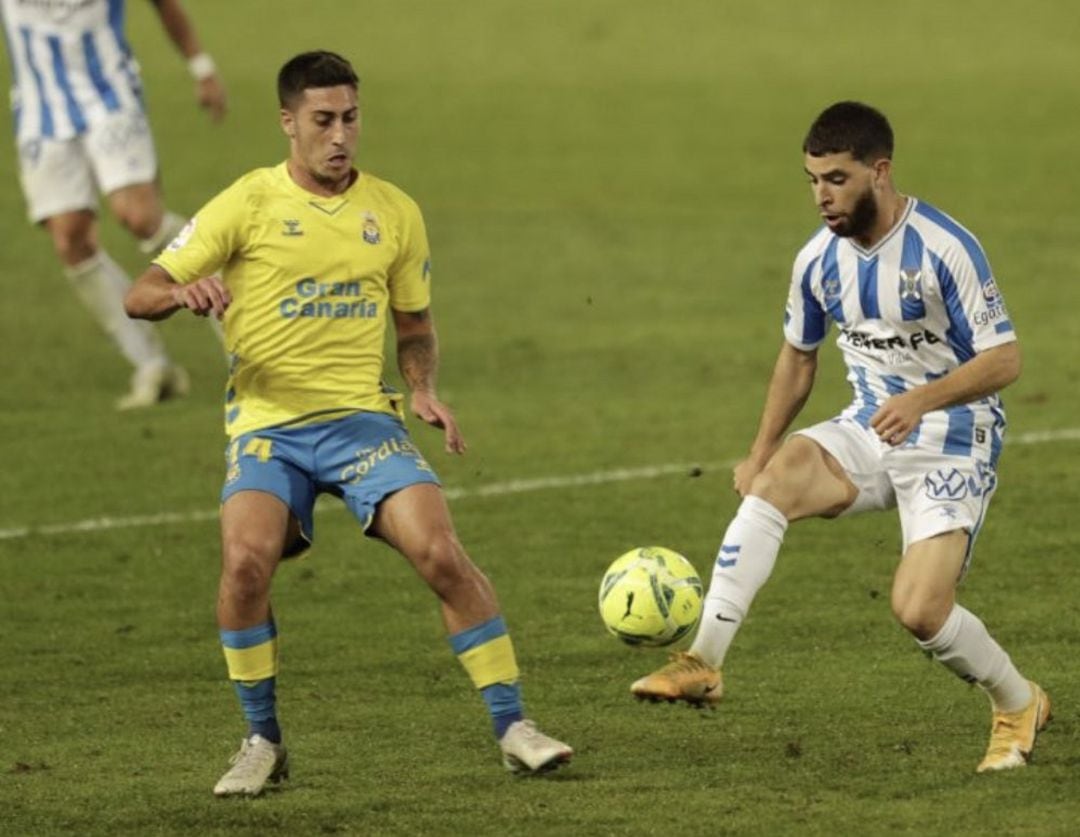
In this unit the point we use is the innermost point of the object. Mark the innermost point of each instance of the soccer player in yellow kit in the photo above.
(314, 257)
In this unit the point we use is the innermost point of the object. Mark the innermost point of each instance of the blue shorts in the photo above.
(362, 458)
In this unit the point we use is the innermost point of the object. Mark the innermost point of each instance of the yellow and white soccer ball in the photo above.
(650, 596)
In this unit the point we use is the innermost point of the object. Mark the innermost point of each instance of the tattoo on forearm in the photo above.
(418, 359)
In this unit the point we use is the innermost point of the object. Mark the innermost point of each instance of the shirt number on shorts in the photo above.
(259, 448)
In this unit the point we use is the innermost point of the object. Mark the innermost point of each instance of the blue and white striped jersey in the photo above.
(70, 65)
(914, 307)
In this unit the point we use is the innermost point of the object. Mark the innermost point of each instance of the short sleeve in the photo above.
(980, 299)
(410, 274)
(209, 240)
(805, 320)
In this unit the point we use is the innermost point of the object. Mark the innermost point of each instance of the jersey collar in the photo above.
(888, 236)
(329, 205)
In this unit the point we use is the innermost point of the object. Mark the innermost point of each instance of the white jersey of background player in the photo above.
(928, 344)
(80, 130)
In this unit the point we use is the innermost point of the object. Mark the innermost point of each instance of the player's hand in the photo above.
(203, 297)
(897, 417)
(210, 93)
(427, 407)
(745, 472)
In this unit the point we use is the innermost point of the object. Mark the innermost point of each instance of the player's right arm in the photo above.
(156, 295)
(184, 275)
(789, 388)
(805, 326)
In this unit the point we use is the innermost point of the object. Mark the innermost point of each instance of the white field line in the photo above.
(495, 489)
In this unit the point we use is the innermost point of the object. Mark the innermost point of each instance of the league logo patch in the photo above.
(182, 237)
(911, 285)
(946, 485)
(371, 228)
(990, 290)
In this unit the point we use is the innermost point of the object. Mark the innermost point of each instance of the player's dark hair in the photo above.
(853, 127)
(313, 69)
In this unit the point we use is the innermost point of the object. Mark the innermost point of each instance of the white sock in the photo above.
(965, 647)
(744, 563)
(171, 224)
(101, 285)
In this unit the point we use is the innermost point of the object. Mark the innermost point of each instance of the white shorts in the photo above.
(934, 492)
(67, 175)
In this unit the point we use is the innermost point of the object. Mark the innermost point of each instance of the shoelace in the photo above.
(1002, 736)
(685, 661)
(248, 760)
(529, 730)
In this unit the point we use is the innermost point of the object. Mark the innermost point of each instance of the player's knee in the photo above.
(246, 570)
(766, 484)
(921, 616)
(74, 242)
(141, 222)
(780, 485)
(443, 562)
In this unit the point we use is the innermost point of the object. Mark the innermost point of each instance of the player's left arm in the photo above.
(988, 372)
(209, 91)
(418, 360)
(975, 306)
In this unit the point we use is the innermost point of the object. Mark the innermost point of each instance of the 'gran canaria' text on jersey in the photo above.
(313, 298)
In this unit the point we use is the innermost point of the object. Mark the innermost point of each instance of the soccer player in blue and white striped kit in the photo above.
(928, 344)
(80, 129)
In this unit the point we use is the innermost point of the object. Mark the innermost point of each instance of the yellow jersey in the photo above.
(311, 279)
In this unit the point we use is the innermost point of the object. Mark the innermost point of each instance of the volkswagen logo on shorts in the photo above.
(946, 485)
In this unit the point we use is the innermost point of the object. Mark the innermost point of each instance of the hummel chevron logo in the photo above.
(728, 557)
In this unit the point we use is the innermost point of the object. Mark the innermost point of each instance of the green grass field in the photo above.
(614, 193)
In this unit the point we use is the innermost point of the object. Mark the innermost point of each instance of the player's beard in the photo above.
(862, 217)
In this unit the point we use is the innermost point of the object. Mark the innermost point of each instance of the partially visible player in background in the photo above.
(317, 259)
(928, 345)
(81, 129)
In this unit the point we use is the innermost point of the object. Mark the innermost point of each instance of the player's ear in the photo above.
(288, 123)
(882, 170)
